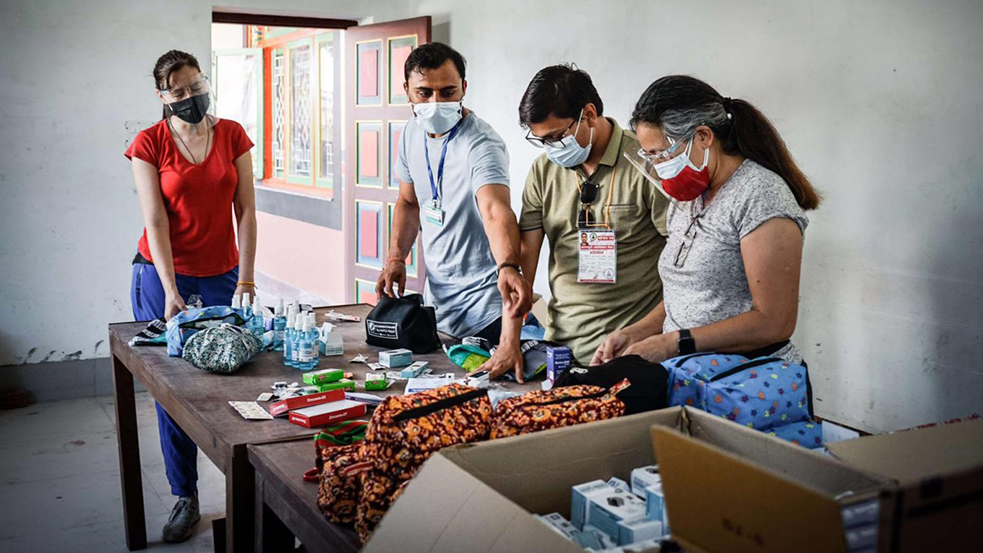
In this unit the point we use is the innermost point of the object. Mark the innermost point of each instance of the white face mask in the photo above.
(670, 169)
(569, 153)
(438, 117)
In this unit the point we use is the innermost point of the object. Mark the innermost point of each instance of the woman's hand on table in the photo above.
(506, 358)
(656, 349)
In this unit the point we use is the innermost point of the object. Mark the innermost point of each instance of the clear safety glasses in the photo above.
(182, 91)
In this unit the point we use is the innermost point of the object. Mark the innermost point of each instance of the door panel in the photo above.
(238, 84)
(376, 111)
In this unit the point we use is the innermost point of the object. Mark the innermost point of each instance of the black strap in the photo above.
(766, 351)
(140, 259)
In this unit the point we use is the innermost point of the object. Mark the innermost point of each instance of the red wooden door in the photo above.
(376, 110)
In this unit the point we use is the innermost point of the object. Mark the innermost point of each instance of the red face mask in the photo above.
(681, 179)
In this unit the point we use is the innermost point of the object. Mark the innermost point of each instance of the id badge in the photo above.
(598, 259)
(433, 214)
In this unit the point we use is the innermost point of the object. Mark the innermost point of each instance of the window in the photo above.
(302, 68)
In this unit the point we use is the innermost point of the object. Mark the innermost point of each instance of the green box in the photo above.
(376, 381)
(321, 377)
(343, 384)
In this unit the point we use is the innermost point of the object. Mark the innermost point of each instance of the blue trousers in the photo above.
(147, 298)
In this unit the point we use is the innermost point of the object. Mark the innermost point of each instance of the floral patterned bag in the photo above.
(405, 431)
(567, 406)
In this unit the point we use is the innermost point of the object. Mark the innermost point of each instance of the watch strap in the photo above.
(686, 343)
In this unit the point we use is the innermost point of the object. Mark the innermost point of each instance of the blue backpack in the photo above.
(763, 393)
(186, 323)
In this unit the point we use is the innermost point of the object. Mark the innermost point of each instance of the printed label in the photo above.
(386, 331)
(305, 354)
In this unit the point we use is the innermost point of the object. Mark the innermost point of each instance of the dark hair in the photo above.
(431, 56)
(169, 63)
(560, 90)
(678, 104)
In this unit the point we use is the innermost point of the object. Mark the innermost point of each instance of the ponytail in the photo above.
(678, 104)
(753, 136)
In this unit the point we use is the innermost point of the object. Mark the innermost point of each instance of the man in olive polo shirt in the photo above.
(605, 223)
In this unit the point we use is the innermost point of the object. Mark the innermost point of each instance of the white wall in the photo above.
(71, 74)
(881, 102)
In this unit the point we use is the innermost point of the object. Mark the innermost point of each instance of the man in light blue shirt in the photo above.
(453, 172)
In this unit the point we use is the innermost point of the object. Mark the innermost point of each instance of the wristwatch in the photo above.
(687, 345)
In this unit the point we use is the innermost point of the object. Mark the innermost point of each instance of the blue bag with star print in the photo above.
(808, 434)
(762, 393)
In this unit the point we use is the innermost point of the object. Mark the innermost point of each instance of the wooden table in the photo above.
(198, 402)
(286, 506)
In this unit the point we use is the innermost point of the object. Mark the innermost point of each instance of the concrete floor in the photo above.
(59, 480)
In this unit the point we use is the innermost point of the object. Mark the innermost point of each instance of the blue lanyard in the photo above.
(439, 185)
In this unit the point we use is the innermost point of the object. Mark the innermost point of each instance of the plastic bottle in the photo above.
(247, 309)
(237, 304)
(279, 326)
(315, 336)
(288, 339)
(306, 346)
(255, 323)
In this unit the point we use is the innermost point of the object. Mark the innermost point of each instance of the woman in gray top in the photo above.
(730, 269)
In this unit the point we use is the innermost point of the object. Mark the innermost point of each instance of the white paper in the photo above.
(251, 410)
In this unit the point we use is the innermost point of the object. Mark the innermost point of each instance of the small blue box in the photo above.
(558, 360)
(395, 358)
(655, 504)
(580, 499)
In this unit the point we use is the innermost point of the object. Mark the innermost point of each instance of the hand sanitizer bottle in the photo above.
(305, 346)
(256, 324)
(247, 310)
(315, 337)
(288, 339)
(279, 326)
(237, 304)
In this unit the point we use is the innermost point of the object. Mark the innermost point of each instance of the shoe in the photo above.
(183, 518)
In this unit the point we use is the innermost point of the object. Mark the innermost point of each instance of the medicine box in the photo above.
(561, 525)
(655, 504)
(331, 343)
(376, 381)
(620, 484)
(643, 477)
(395, 358)
(558, 360)
(414, 370)
(580, 497)
(640, 529)
(320, 377)
(343, 384)
(605, 510)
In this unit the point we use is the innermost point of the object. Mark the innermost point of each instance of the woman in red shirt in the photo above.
(192, 172)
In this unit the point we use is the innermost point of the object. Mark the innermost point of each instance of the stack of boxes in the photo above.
(614, 516)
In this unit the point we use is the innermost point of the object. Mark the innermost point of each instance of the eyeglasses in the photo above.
(176, 94)
(688, 238)
(542, 142)
(660, 155)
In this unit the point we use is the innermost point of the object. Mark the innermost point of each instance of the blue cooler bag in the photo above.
(763, 393)
(186, 323)
(808, 434)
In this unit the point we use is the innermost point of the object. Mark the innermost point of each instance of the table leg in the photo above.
(271, 533)
(131, 480)
(240, 494)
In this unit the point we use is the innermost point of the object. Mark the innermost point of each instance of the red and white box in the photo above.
(327, 413)
(281, 407)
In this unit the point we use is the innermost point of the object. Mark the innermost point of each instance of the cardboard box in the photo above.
(343, 384)
(485, 497)
(730, 488)
(640, 529)
(938, 501)
(643, 477)
(281, 407)
(558, 361)
(327, 413)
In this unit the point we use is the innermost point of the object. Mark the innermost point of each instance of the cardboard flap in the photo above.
(541, 483)
(721, 502)
(444, 509)
(916, 454)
